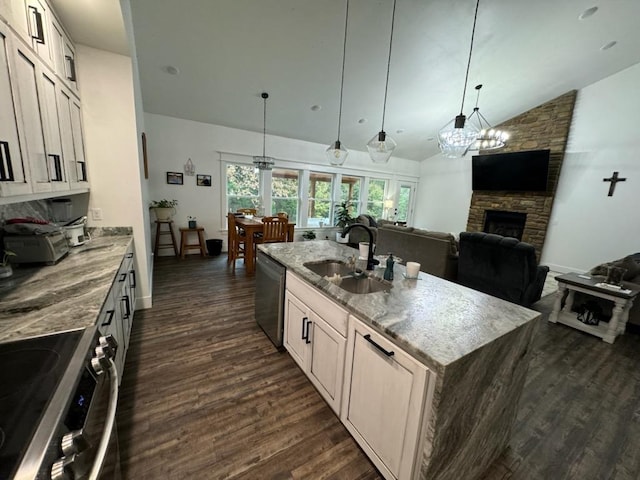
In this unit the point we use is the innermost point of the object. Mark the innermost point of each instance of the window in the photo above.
(284, 192)
(320, 189)
(404, 203)
(243, 187)
(375, 198)
(350, 191)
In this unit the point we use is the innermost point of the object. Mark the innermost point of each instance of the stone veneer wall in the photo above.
(546, 126)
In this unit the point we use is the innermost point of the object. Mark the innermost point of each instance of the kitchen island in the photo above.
(475, 346)
(40, 300)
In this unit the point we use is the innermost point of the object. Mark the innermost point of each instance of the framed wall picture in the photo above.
(175, 178)
(203, 180)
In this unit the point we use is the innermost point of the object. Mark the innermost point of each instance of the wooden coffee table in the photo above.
(594, 286)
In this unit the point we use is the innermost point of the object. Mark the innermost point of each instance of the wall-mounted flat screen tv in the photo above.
(526, 171)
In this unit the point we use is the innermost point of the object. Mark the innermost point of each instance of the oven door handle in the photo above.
(108, 426)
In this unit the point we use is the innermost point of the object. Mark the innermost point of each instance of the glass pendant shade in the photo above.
(456, 137)
(336, 153)
(380, 147)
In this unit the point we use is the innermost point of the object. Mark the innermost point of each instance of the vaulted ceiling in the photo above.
(224, 53)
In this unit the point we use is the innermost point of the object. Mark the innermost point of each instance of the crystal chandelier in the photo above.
(488, 138)
(455, 138)
(381, 146)
(336, 153)
(263, 162)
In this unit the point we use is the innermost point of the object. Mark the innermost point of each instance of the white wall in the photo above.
(586, 227)
(113, 164)
(173, 141)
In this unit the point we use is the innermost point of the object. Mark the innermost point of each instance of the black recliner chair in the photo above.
(500, 266)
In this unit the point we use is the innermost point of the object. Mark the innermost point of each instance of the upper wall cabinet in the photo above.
(14, 178)
(39, 104)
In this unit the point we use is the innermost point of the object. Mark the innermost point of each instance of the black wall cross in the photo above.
(613, 179)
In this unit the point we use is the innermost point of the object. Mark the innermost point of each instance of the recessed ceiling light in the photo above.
(362, 120)
(587, 13)
(608, 45)
(171, 70)
(315, 108)
(400, 130)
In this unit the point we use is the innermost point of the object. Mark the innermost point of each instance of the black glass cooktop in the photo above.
(30, 371)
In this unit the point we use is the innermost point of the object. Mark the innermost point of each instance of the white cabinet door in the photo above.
(64, 56)
(326, 361)
(296, 327)
(72, 139)
(32, 120)
(109, 323)
(316, 347)
(14, 173)
(385, 390)
(52, 133)
(38, 21)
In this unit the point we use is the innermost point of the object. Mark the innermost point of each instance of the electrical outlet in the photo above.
(96, 214)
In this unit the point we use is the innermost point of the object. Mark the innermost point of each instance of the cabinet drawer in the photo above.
(331, 313)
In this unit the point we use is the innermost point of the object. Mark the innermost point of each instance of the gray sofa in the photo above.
(436, 252)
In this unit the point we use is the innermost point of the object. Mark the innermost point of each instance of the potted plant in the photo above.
(343, 219)
(164, 209)
(5, 266)
(309, 235)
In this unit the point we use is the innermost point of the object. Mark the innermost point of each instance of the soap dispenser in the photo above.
(388, 273)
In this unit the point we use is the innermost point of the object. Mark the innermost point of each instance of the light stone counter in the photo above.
(39, 300)
(477, 345)
(434, 320)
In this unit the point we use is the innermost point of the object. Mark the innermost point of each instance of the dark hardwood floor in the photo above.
(205, 395)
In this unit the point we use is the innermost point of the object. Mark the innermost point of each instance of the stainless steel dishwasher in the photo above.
(269, 299)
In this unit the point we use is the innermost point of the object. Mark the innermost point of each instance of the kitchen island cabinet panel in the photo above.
(385, 393)
(316, 347)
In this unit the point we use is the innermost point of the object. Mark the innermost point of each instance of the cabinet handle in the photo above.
(307, 340)
(56, 168)
(388, 353)
(6, 169)
(304, 321)
(39, 36)
(109, 319)
(72, 68)
(127, 307)
(123, 277)
(133, 278)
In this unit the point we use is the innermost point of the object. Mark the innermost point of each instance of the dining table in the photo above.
(252, 226)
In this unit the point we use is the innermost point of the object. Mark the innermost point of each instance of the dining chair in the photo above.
(274, 230)
(235, 241)
(248, 211)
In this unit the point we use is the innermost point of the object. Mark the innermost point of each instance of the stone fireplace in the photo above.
(507, 224)
(546, 126)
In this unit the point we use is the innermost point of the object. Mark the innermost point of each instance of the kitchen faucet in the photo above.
(370, 260)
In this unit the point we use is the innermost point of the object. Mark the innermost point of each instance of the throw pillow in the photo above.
(363, 219)
(372, 221)
(628, 263)
(600, 269)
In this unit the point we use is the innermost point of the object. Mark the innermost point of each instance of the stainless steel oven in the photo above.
(70, 397)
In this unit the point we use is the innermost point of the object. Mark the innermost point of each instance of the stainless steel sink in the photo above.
(365, 285)
(328, 268)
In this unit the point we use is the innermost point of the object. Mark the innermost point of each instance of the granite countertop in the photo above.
(435, 320)
(39, 300)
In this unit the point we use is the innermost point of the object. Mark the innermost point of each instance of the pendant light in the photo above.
(263, 162)
(488, 138)
(336, 153)
(455, 138)
(381, 146)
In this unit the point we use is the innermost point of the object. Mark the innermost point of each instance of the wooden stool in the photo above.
(184, 238)
(159, 232)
